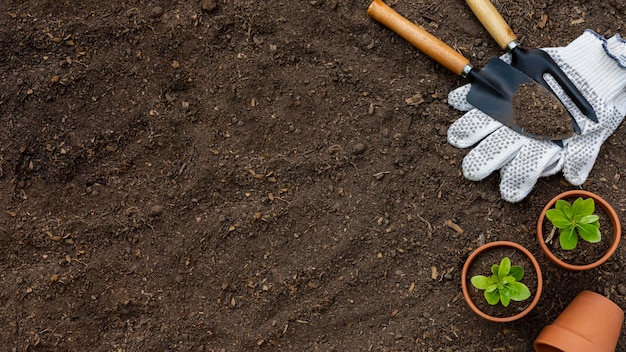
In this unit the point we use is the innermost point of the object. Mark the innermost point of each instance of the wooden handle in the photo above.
(491, 19)
(418, 36)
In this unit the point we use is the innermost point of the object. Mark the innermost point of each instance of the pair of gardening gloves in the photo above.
(597, 67)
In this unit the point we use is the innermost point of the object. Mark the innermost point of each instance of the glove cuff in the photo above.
(616, 48)
(599, 63)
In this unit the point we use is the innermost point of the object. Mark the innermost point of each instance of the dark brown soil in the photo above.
(482, 266)
(538, 111)
(240, 175)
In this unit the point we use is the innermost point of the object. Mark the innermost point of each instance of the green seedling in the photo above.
(504, 284)
(573, 220)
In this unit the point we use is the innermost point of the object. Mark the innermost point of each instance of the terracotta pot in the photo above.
(617, 230)
(488, 246)
(590, 323)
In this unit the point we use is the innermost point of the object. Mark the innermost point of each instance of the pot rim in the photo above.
(471, 259)
(615, 223)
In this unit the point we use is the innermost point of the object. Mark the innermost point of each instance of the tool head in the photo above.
(536, 63)
(493, 89)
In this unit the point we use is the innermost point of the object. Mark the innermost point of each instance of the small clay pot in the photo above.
(617, 230)
(590, 323)
(472, 257)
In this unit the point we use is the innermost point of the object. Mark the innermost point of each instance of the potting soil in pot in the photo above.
(482, 266)
(585, 252)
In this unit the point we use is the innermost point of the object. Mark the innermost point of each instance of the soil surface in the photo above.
(238, 175)
(538, 111)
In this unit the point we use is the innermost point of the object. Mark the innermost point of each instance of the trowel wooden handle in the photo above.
(491, 19)
(418, 36)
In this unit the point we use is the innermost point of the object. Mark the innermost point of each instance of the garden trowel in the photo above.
(493, 86)
(535, 63)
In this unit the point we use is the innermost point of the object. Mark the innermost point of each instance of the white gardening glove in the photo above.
(598, 69)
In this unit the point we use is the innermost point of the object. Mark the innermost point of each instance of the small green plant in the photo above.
(573, 220)
(504, 284)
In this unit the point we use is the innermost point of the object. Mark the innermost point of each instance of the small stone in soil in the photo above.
(156, 12)
(156, 210)
(538, 111)
(208, 5)
(358, 148)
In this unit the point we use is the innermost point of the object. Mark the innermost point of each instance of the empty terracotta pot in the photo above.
(615, 223)
(590, 323)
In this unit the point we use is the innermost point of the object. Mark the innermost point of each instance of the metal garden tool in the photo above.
(493, 86)
(535, 63)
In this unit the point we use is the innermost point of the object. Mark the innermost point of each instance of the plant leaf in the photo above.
(558, 218)
(518, 291)
(505, 268)
(568, 238)
(507, 280)
(505, 297)
(561, 204)
(568, 210)
(480, 282)
(492, 287)
(517, 272)
(588, 219)
(494, 269)
(492, 297)
(589, 233)
(584, 207)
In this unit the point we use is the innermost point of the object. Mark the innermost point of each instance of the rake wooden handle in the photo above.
(491, 19)
(418, 36)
